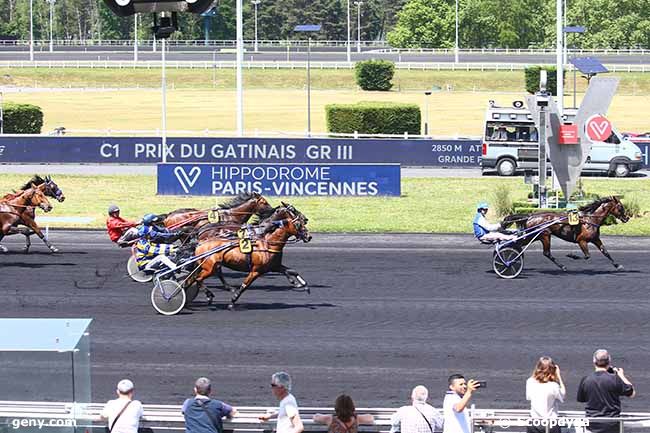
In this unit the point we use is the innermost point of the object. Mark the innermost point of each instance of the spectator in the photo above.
(419, 417)
(287, 414)
(345, 419)
(601, 392)
(115, 224)
(202, 414)
(123, 413)
(456, 400)
(545, 390)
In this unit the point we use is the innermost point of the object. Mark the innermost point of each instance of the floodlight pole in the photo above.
(164, 102)
(426, 113)
(135, 37)
(31, 30)
(309, 86)
(457, 44)
(240, 59)
(358, 4)
(51, 2)
(255, 3)
(2, 118)
(559, 60)
(564, 36)
(348, 48)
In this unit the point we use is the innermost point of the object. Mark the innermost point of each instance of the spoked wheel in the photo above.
(508, 262)
(135, 273)
(168, 297)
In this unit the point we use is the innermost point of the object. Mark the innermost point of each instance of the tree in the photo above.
(424, 23)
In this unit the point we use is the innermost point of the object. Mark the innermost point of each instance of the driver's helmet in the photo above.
(149, 219)
(113, 208)
(482, 205)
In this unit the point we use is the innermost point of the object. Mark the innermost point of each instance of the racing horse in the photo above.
(265, 257)
(48, 187)
(19, 209)
(237, 210)
(587, 230)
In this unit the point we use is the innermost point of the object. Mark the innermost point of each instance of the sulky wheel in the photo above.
(508, 262)
(135, 273)
(168, 297)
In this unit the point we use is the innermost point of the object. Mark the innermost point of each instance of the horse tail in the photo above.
(519, 219)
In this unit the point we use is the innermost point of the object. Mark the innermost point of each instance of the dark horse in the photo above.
(19, 209)
(587, 230)
(48, 187)
(237, 210)
(265, 257)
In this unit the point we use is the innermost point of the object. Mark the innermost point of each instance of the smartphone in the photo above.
(482, 384)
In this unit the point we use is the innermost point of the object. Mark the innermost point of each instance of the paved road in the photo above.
(296, 54)
(386, 313)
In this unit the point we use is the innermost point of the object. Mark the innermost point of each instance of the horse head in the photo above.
(37, 198)
(297, 223)
(617, 209)
(53, 190)
(262, 206)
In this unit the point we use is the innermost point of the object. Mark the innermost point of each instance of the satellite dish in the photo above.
(125, 8)
(518, 104)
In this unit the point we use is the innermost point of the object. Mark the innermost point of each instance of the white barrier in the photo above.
(47, 220)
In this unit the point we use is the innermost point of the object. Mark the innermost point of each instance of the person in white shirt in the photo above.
(419, 417)
(123, 413)
(287, 414)
(545, 390)
(455, 402)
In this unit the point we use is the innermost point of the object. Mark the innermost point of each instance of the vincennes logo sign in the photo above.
(187, 179)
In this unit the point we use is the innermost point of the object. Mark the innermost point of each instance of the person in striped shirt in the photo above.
(155, 245)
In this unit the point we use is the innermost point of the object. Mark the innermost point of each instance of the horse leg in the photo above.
(585, 251)
(29, 222)
(293, 276)
(226, 286)
(3, 249)
(546, 243)
(244, 285)
(603, 250)
(193, 279)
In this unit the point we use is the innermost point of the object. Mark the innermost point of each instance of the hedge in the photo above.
(532, 78)
(374, 74)
(373, 118)
(22, 118)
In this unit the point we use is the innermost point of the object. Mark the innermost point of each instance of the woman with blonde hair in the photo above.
(345, 418)
(545, 390)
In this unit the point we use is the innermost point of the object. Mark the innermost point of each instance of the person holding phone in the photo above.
(455, 402)
(545, 390)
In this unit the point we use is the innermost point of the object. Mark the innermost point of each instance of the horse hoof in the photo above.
(3, 249)
(231, 307)
(620, 268)
(564, 269)
(54, 250)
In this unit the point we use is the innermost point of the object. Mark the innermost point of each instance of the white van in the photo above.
(510, 143)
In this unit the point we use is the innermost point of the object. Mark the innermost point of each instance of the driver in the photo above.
(154, 247)
(484, 231)
(116, 226)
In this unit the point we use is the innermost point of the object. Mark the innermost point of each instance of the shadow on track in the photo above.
(33, 265)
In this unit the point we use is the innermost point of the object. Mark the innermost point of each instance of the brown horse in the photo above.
(265, 257)
(587, 230)
(48, 187)
(19, 210)
(237, 210)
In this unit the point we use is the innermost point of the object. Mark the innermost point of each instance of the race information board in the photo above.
(359, 180)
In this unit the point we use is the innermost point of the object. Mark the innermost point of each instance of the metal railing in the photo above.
(169, 417)
(230, 64)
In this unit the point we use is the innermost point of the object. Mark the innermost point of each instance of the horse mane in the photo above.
(240, 199)
(591, 207)
(36, 180)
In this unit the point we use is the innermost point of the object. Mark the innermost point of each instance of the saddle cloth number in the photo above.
(574, 219)
(245, 244)
(213, 216)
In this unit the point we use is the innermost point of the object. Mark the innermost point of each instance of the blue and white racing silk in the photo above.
(482, 226)
(150, 244)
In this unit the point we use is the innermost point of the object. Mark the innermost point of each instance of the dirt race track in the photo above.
(386, 312)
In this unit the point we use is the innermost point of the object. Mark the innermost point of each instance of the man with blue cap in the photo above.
(484, 230)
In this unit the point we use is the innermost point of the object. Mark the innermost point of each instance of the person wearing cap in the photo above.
(601, 392)
(484, 230)
(154, 246)
(123, 413)
(287, 414)
(203, 414)
(115, 224)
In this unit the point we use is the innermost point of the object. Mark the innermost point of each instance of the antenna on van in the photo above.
(542, 81)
